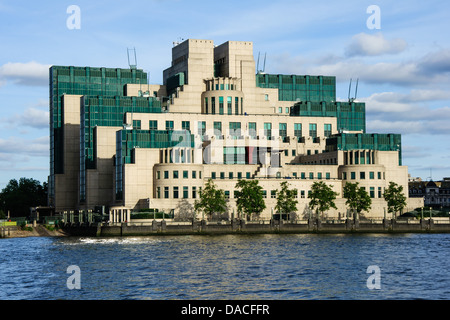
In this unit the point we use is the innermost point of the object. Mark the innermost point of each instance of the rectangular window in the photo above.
(293, 152)
(283, 130)
(218, 130)
(158, 175)
(273, 194)
(302, 193)
(319, 175)
(362, 175)
(235, 129)
(166, 174)
(185, 174)
(252, 130)
(213, 105)
(186, 125)
(247, 175)
(327, 176)
(230, 175)
(379, 192)
(327, 129)
(213, 175)
(227, 194)
(353, 175)
(185, 192)
(229, 105)
(166, 192)
(371, 175)
(268, 130)
(201, 128)
(287, 110)
(280, 109)
(303, 175)
(311, 175)
(313, 130)
(158, 192)
(264, 194)
(169, 125)
(239, 176)
(344, 175)
(153, 125)
(298, 130)
(234, 155)
(206, 105)
(372, 192)
(175, 192)
(236, 105)
(222, 175)
(220, 105)
(175, 174)
(379, 175)
(137, 124)
(194, 192)
(194, 174)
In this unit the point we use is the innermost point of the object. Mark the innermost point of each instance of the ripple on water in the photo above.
(227, 267)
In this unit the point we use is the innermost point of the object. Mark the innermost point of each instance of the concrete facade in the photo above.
(216, 99)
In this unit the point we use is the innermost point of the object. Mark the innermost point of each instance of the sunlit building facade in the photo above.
(118, 141)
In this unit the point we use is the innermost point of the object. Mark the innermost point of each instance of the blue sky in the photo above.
(403, 67)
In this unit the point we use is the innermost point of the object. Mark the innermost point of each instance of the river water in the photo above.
(232, 267)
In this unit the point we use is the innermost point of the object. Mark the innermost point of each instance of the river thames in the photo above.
(232, 267)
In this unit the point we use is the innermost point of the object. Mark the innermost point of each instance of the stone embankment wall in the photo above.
(163, 227)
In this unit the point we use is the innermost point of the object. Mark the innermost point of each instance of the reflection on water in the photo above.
(227, 267)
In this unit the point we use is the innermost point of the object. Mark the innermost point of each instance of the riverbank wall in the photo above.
(163, 227)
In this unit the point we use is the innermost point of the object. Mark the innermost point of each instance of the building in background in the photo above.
(120, 143)
(435, 194)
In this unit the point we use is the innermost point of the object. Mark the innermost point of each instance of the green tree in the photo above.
(18, 196)
(212, 200)
(395, 198)
(322, 197)
(357, 198)
(286, 202)
(250, 200)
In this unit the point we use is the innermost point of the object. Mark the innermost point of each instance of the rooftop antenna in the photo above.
(349, 89)
(351, 99)
(132, 65)
(264, 65)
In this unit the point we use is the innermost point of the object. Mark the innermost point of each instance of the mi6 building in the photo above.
(121, 143)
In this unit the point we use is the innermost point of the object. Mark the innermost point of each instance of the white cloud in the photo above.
(29, 74)
(419, 111)
(38, 147)
(31, 117)
(364, 44)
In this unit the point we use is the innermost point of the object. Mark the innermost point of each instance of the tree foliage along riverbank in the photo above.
(18, 196)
